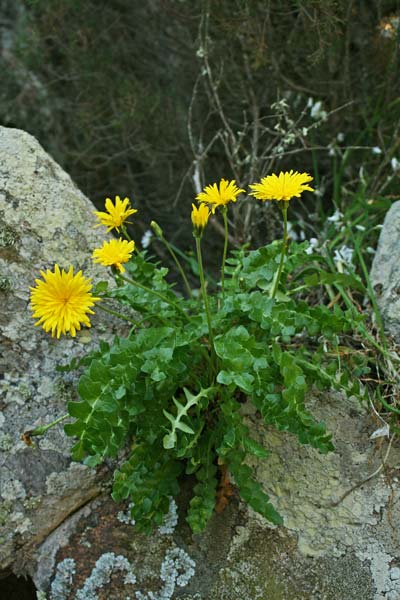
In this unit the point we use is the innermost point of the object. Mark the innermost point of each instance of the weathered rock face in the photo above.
(329, 549)
(44, 219)
(385, 272)
(58, 525)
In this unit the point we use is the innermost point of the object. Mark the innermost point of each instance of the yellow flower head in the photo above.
(114, 253)
(215, 196)
(282, 187)
(200, 218)
(62, 301)
(116, 214)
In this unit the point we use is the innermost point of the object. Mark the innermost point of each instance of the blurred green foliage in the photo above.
(130, 96)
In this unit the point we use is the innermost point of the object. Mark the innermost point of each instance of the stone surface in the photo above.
(385, 272)
(44, 219)
(348, 551)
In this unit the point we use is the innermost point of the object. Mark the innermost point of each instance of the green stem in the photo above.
(43, 428)
(388, 406)
(371, 294)
(117, 314)
(150, 291)
(283, 253)
(224, 215)
(177, 262)
(204, 294)
(125, 232)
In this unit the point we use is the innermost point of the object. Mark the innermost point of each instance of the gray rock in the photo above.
(44, 219)
(385, 272)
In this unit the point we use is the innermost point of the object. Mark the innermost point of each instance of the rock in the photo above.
(329, 549)
(44, 219)
(385, 272)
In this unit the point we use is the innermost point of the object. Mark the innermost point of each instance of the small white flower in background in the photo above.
(313, 245)
(336, 219)
(304, 131)
(319, 192)
(370, 250)
(280, 105)
(344, 255)
(146, 239)
(340, 137)
(360, 227)
(200, 53)
(310, 102)
(395, 164)
(317, 112)
(376, 150)
(332, 150)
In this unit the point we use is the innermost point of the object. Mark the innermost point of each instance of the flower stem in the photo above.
(177, 262)
(224, 215)
(150, 291)
(117, 314)
(41, 430)
(204, 294)
(125, 232)
(283, 253)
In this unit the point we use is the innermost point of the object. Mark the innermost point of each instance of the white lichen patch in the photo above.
(106, 566)
(125, 516)
(170, 520)
(22, 523)
(62, 583)
(12, 489)
(387, 586)
(6, 442)
(176, 570)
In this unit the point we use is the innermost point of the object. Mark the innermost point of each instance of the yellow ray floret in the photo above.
(283, 187)
(114, 253)
(219, 196)
(62, 301)
(116, 214)
(200, 216)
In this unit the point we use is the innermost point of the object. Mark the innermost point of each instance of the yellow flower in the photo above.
(200, 218)
(114, 253)
(116, 215)
(282, 187)
(62, 301)
(227, 192)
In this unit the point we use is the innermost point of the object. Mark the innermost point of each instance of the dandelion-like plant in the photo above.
(168, 395)
(200, 216)
(114, 253)
(219, 196)
(283, 188)
(62, 301)
(116, 215)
